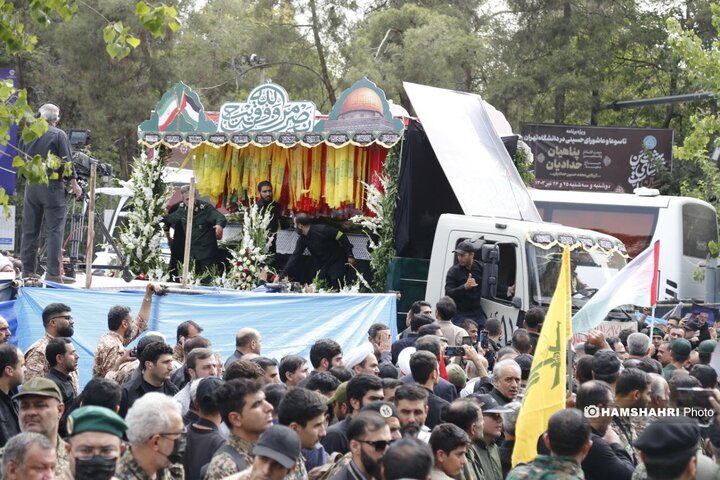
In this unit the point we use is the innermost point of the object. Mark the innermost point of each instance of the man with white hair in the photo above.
(157, 439)
(28, 456)
(638, 345)
(506, 381)
(47, 200)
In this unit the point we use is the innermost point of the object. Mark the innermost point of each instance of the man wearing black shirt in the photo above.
(329, 247)
(12, 374)
(204, 437)
(47, 200)
(266, 203)
(63, 359)
(463, 284)
(156, 367)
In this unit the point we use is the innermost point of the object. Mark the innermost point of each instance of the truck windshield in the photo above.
(590, 270)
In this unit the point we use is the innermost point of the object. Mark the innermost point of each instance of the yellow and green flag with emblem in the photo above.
(545, 391)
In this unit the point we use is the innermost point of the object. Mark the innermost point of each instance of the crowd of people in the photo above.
(435, 403)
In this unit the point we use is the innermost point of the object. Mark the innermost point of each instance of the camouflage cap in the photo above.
(40, 387)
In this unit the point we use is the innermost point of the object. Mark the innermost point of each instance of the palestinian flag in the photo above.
(167, 113)
(190, 109)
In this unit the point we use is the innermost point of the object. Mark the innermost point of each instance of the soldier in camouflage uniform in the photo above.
(57, 322)
(110, 351)
(632, 390)
(276, 456)
(568, 439)
(153, 418)
(40, 410)
(247, 414)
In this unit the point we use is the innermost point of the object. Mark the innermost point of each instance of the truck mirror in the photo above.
(516, 302)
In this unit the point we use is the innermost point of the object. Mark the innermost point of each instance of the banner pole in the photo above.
(188, 234)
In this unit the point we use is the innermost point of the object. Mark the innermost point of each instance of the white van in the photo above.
(683, 225)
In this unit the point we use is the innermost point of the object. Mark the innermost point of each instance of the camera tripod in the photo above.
(78, 235)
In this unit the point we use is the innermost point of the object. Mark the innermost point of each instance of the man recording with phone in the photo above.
(48, 200)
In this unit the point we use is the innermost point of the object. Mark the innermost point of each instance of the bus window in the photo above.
(634, 226)
(699, 227)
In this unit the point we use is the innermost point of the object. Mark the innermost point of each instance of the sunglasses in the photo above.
(378, 445)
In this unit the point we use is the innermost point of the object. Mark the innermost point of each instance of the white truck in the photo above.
(525, 255)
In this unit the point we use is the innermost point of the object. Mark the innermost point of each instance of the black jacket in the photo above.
(138, 387)
(467, 301)
(442, 389)
(9, 426)
(336, 439)
(327, 245)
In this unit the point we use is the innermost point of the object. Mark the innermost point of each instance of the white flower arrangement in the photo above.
(140, 239)
(253, 255)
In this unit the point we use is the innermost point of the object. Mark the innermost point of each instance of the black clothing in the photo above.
(467, 300)
(53, 141)
(336, 439)
(190, 417)
(501, 399)
(203, 246)
(274, 209)
(330, 249)
(442, 389)
(436, 407)
(201, 446)
(9, 426)
(134, 389)
(399, 345)
(65, 384)
(177, 246)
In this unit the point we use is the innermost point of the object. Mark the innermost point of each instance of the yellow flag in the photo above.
(545, 391)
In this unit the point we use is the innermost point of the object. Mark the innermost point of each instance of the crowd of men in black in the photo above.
(435, 403)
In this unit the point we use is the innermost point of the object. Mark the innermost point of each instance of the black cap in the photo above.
(605, 362)
(669, 438)
(281, 444)
(385, 409)
(464, 247)
(488, 404)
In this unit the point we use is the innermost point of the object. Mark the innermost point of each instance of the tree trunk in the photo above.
(124, 159)
(321, 53)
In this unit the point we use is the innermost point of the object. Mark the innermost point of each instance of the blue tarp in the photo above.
(288, 323)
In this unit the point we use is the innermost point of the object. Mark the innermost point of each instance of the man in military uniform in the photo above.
(207, 229)
(40, 410)
(632, 390)
(157, 436)
(486, 452)
(277, 453)
(669, 449)
(110, 352)
(247, 414)
(57, 322)
(94, 444)
(568, 438)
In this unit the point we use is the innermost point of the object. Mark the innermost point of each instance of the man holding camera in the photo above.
(48, 200)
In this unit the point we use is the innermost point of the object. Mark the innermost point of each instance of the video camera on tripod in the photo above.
(80, 138)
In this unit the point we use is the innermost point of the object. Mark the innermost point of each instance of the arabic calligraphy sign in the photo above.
(268, 109)
(608, 159)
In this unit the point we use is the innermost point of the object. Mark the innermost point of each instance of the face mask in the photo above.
(96, 467)
(178, 451)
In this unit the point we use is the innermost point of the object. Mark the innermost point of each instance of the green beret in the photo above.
(95, 419)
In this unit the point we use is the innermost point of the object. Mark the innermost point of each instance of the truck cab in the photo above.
(524, 255)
